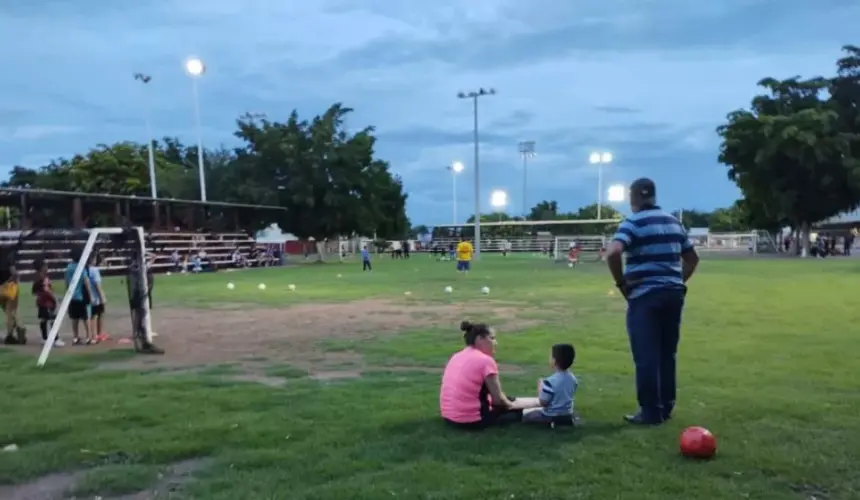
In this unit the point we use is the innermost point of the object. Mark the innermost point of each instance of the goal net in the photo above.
(122, 251)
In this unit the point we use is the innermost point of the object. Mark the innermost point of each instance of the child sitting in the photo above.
(556, 392)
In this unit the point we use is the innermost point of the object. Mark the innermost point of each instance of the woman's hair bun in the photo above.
(465, 326)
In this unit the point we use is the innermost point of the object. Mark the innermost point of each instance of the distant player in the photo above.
(365, 259)
(464, 256)
(573, 255)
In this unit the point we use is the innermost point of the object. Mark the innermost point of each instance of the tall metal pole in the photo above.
(599, 188)
(474, 96)
(200, 172)
(527, 150)
(477, 179)
(145, 79)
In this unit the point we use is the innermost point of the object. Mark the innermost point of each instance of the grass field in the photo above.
(768, 362)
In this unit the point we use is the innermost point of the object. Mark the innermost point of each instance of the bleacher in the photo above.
(216, 250)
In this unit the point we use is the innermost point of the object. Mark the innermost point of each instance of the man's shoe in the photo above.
(10, 340)
(638, 419)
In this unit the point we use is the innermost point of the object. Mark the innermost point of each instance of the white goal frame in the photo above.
(92, 238)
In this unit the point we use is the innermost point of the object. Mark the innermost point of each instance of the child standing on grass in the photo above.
(79, 307)
(365, 259)
(46, 301)
(556, 392)
(97, 305)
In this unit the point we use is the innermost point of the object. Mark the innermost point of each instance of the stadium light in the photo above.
(499, 199)
(455, 168)
(195, 69)
(615, 193)
(600, 159)
(474, 96)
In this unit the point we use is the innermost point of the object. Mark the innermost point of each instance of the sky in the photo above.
(647, 80)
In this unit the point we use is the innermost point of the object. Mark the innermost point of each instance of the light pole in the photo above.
(455, 168)
(195, 69)
(527, 150)
(145, 79)
(474, 95)
(600, 159)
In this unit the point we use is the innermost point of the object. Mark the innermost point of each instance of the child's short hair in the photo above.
(563, 354)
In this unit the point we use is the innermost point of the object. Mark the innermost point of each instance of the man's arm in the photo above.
(689, 258)
(623, 239)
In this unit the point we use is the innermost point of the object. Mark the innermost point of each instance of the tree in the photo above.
(545, 210)
(327, 179)
(693, 218)
(789, 155)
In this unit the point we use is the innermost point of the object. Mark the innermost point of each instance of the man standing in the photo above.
(660, 260)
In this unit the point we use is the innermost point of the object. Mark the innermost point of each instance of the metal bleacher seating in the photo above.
(215, 249)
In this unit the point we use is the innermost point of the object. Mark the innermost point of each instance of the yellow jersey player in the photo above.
(464, 256)
(9, 293)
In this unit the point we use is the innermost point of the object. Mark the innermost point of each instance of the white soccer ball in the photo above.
(448, 289)
(291, 287)
(230, 286)
(570, 264)
(485, 290)
(261, 286)
(340, 276)
(168, 273)
(407, 293)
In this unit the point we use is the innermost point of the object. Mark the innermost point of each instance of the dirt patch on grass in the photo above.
(62, 485)
(252, 339)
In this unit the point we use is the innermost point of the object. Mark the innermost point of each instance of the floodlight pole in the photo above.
(145, 79)
(474, 95)
(527, 150)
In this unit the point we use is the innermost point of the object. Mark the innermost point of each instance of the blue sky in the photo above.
(647, 80)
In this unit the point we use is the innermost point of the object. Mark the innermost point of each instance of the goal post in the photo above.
(128, 239)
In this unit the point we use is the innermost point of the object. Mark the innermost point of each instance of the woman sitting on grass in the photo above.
(471, 396)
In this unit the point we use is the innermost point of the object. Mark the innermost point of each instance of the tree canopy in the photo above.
(329, 180)
(795, 152)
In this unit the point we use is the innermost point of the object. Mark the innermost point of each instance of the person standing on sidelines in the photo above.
(98, 300)
(365, 259)
(660, 259)
(464, 256)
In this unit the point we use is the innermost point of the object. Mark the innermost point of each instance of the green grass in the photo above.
(768, 362)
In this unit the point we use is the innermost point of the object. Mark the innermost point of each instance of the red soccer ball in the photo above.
(698, 442)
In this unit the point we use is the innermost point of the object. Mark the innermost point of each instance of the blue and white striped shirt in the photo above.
(653, 243)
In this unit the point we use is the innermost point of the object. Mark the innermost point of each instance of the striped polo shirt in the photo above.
(653, 243)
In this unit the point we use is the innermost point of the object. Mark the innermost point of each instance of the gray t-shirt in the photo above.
(557, 391)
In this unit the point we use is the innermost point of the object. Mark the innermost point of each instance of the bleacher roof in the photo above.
(16, 191)
(843, 218)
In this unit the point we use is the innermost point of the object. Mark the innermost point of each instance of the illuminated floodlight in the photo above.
(615, 194)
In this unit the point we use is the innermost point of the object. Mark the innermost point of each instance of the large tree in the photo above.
(790, 156)
(328, 180)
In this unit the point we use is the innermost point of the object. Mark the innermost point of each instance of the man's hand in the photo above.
(623, 289)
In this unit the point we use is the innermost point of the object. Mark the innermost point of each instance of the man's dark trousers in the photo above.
(654, 328)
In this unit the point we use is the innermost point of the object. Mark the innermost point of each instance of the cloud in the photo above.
(647, 80)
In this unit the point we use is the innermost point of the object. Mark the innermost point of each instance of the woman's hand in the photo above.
(495, 387)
